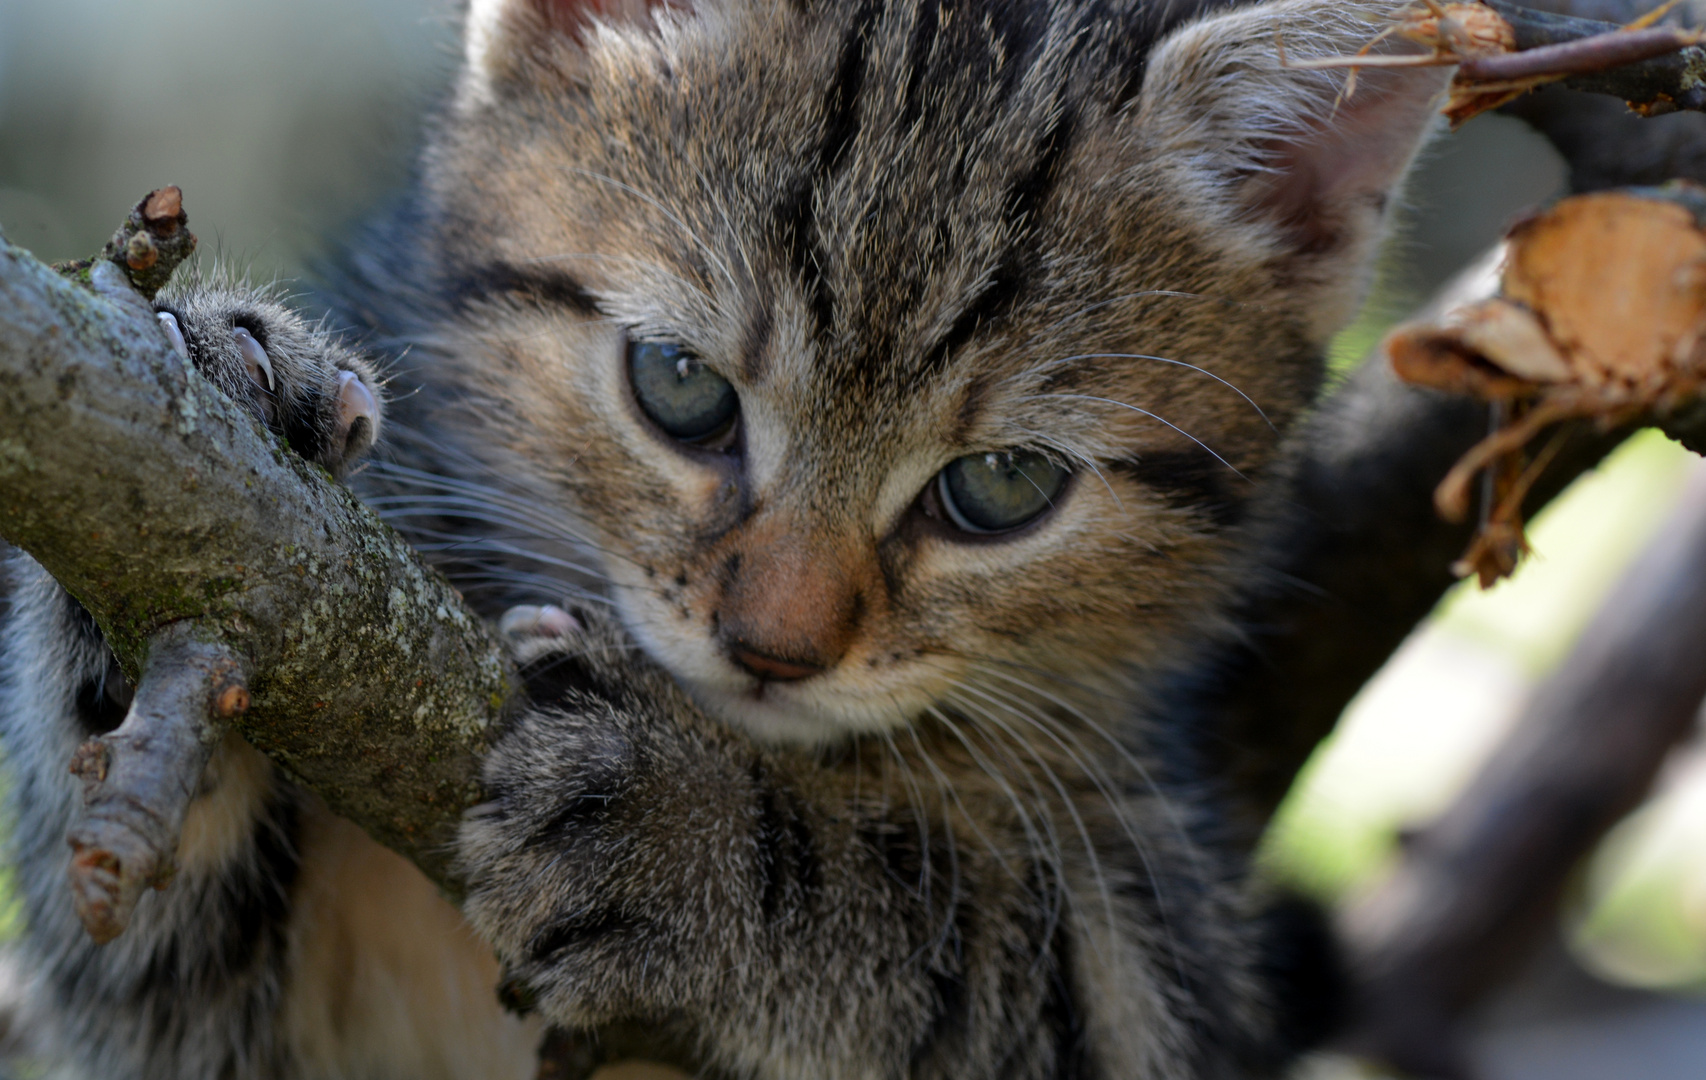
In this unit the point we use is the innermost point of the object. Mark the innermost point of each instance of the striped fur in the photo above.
(905, 231)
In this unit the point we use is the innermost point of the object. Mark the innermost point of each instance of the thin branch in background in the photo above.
(1503, 51)
(1478, 888)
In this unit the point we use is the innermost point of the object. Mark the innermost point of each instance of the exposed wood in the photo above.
(1601, 315)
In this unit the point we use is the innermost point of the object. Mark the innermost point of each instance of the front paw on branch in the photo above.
(217, 565)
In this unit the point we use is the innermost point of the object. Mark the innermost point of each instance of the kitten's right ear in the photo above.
(507, 42)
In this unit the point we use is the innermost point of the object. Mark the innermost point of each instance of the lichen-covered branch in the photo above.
(156, 502)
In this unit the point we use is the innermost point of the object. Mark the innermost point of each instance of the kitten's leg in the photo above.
(830, 918)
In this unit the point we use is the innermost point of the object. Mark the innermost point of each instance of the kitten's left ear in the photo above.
(1273, 161)
(504, 39)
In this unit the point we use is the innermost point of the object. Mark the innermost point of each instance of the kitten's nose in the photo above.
(791, 602)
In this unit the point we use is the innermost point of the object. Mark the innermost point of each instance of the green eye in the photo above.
(681, 395)
(992, 493)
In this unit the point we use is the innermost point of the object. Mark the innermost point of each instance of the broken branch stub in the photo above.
(1601, 316)
(149, 246)
(139, 779)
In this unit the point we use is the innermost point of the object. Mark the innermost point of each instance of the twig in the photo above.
(1477, 887)
(1503, 51)
(139, 780)
(1665, 81)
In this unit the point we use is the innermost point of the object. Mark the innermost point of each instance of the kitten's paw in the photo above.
(585, 860)
(532, 630)
(298, 380)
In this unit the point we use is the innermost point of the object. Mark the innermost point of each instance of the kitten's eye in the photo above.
(681, 395)
(991, 493)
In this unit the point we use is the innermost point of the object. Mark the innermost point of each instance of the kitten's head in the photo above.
(902, 354)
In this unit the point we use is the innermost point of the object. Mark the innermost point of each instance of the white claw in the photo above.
(528, 620)
(169, 323)
(260, 368)
(355, 403)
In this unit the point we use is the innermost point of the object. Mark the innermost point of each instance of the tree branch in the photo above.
(1477, 887)
(185, 530)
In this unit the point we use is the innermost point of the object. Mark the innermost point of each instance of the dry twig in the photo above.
(1503, 51)
(1602, 315)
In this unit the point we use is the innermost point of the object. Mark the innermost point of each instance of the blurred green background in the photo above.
(283, 123)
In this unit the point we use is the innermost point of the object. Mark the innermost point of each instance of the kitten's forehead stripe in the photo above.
(756, 345)
(537, 284)
(841, 126)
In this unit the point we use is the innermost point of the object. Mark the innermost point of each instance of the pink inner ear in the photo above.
(1348, 162)
(571, 17)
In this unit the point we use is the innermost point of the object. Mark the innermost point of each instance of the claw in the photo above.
(358, 413)
(528, 620)
(169, 323)
(260, 368)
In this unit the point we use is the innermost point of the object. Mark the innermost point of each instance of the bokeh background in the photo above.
(285, 122)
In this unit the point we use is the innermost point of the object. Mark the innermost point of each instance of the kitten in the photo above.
(875, 387)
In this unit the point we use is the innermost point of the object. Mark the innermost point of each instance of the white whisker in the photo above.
(1152, 416)
(1180, 363)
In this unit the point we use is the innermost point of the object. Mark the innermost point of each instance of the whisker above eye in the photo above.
(1152, 416)
(1140, 295)
(1178, 363)
(1077, 455)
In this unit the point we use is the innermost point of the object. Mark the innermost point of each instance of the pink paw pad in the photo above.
(528, 620)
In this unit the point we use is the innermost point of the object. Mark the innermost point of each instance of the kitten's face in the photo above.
(882, 358)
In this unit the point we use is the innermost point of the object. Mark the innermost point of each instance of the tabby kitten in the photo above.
(873, 388)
